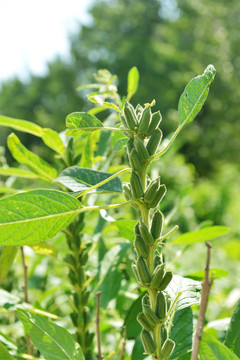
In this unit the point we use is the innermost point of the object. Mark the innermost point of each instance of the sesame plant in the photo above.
(81, 181)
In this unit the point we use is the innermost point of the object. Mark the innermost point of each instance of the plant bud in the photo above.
(139, 111)
(148, 342)
(155, 121)
(150, 193)
(160, 308)
(127, 191)
(146, 235)
(159, 196)
(145, 300)
(167, 348)
(143, 272)
(141, 247)
(145, 120)
(165, 281)
(136, 185)
(157, 224)
(154, 142)
(123, 121)
(130, 116)
(141, 150)
(134, 268)
(141, 318)
(164, 334)
(135, 161)
(150, 315)
(157, 276)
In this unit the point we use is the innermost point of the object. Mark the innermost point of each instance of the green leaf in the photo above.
(34, 216)
(214, 273)
(212, 349)
(138, 350)
(53, 341)
(194, 95)
(120, 144)
(79, 122)
(52, 139)
(232, 340)
(205, 234)
(79, 179)
(31, 160)
(21, 125)
(4, 354)
(181, 332)
(44, 249)
(112, 106)
(133, 328)
(110, 274)
(12, 171)
(133, 79)
(189, 289)
(126, 228)
(7, 257)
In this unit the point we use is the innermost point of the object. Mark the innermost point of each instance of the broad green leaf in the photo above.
(189, 289)
(4, 354)
(31, 160)
(79, 122)
(79, 179)
(97, 109)
(7, 257)
(21, 125)
(4, 190)
(52, 139)
(205, 234)
(232, 340)
(138, 350)
(53, 341)
(120, 144)
(110, 274)
(44, 249)
(12, 171)
(112, 106)
(133, 78)
(133, 328)
(126, 228)
(194, 95)
(181, 332)
(214, 273)
(34, 216)
(212, 349)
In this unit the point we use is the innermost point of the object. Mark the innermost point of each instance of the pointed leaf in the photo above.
(35, 216)
(21, 125)
(126, 228)
(194, 95)
(214, 273)
(53, 341)
(79, 179)
(133, 79)
(52, 139)
(232, 340)
(7, 257)
(79, 122)
(202, 235)
(12, 171)
(31, 160)
(44, 249)
(112, 106)
(212, 349)
(133, 328)
(4, 354)
(189, 289)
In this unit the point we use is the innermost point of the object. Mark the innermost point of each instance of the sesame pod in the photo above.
(143, 272)
(145, 120)
(148, 342)
(165, 281)
(164, 334)
(157, 223)
(154, 141)
(157, 260)
(130, 146)
(135, 161)
(146, 300)
(155, 121)
(139, 111)
(169, 302)
(141, 150)
(136, 185)
(157, 276)
(146, 235)
(160, 308)
(158, 196)
(130, 116)
(137, 230)
(141, 247)
(127, 133)
(127, 191)
(141, 318)
(123, 121)
(167, 348)
(150, 193)
(150, 315)
(134, 268)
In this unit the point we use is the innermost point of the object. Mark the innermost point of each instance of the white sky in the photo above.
(33, 31)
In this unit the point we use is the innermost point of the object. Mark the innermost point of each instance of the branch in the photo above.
(206, 287)
(124, 342)
(99, 355)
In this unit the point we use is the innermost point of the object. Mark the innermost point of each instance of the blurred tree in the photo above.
(169, 41)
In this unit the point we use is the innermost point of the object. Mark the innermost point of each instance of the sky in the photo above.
(34, 32)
